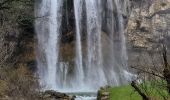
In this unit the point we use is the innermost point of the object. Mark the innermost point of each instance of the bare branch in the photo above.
(152, 73)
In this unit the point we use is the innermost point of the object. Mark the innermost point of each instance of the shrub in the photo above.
(18, 84)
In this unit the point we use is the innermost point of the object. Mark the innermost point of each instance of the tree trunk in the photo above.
(133, 84)
(166, 71)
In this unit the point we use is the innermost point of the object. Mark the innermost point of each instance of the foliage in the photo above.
(18, 84)
(6, 4)
(16, 22)
(10, 18)
(154, 92)
(155, 89)
(123, 93)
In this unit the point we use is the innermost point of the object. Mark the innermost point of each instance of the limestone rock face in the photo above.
(149, 22)
(148, 28)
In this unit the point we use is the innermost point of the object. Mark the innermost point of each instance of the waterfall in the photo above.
(94, 58)
(48, 30)
(100, 46)
(79, 59)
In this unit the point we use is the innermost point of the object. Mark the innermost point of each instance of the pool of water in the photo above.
(84, 95)
(85, 98)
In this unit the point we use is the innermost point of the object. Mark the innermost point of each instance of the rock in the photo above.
(148, 27)
(140, 26)
(104, 98)
(32, 65)
(103, 95)
(53, 95)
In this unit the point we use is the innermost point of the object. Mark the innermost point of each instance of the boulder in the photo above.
(103, 95)
(54, 95)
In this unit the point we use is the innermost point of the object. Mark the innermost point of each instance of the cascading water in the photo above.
(100, 59)
(79, 59)
(48, 32)
(94, 55)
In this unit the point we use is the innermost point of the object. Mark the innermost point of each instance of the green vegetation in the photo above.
(156, 90)
(123, 93)
(18, 83)
(153, 90)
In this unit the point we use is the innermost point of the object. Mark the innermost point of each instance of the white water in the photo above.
(85, 98)
(84, 95)
(79, 59)
(48, 30)
(94, 58)
(104, 60)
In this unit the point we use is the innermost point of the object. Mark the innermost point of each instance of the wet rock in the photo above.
(53, 95)
(103, 95)
(32, 65)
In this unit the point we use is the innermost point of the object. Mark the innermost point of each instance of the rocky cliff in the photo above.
(148, 27)
(16, 32)
(148, 22)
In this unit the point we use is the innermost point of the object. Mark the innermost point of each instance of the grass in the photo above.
(123, 93)
(152, 89)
